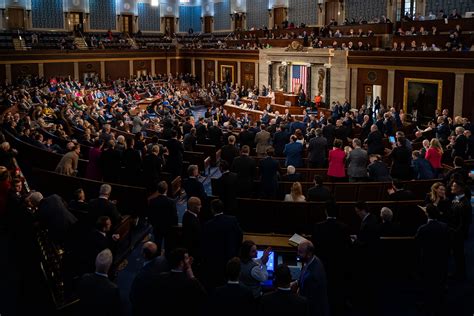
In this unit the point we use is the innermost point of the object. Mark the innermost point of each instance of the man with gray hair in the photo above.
(192, 186)
(357, 169)
(53, 214)
(102, 206)
(387, 228)
(291, 175)
(98, 295)
(459, 143)
(317, 150)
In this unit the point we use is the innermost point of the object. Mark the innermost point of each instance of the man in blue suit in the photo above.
(312, 281)
(293, 152)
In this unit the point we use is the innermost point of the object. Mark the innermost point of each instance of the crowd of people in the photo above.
(216, 262)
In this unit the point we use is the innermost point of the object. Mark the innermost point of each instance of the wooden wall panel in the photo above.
(247, 74)
(174, 66)
(184, 65)
(141, 65)
(370, 77)
(89, 67)
(116, 69)
(58, 70)
(209, 71)
(22, 70)
(160, 66)
(222, 64)
(448, 85)
(3, 74)
(468, 99)
(198, 69)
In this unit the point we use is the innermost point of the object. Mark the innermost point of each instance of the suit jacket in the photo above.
(283, 303)
(332, 245)
(293, 152)
(422, 169)
(103, 207)
(246, 138)
(68, 164)
(313, 286)
(142, 291)
(234, 299)
(98, 296)
(329, 132)
(162, 214)
(245, 168)
(319, 193)
(192, 234)
(460, 147)
(433, 242)
(402, 195)
(280, 139)
(269, 168)
(228, 153)
(53, 213)
(357, 163)
(109, 162)
(292, 177)
(317, 150)
(368, 235)
(221, 240)
(225, 190)
(375, 143)
(194, 187)
(262, 140)
(379, 172)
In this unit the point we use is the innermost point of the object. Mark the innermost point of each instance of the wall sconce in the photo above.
(270, 12)
(232, 16)
(177, 20)
(320, 6)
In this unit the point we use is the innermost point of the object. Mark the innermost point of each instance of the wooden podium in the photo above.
(263, 101)
(279, 97)
(292, 98)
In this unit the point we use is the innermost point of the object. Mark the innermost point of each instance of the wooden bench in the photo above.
(267, 216)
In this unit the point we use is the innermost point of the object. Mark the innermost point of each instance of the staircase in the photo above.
(80, 43)
(19, 44)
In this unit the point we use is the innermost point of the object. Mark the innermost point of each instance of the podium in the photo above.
(279, 97)
(263, 101)
(292, 98)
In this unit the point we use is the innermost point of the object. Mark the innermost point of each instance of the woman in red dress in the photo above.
(337, 157)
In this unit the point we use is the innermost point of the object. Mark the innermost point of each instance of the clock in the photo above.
(372, 76)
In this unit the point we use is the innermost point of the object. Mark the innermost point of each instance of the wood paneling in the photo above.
(16, 18)
(377, 77)
(448, 85)
(89, 67)
(208, 24)
(160, 66)
(3, 74)
(198, 69)
(184, 65)
(174, 66)
(141, 65)
(468, 108)
(115, 69)
(22, 70)
(279, 16)
(247, 74)
(209, 71)
(58, 70)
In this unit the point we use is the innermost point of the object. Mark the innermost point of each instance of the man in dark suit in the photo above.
(225, 187)
(102, 206)
(293, 152)
(178, 290)
(142, 291)
(317, 150)
(245, 168)
(233, 298)
(374, 142)
(109, 162)
(459, 143)
(332, 245)
(229, 151)
(162, 214)
(269, 169)
(432, 239)
(291, 175)
(97, 294)
(192, 230)
(175, 155)
(329, 132)
(312, 281)
(246, 137)
(283, 301)
(398, 193)
(280, 139)
(192, 186)
(318, 193)
(221, 240)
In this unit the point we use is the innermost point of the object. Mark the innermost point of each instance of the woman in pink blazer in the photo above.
(434, 155)
(337, 156)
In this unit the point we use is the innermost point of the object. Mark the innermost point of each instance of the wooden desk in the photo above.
(255, 114)
(467, 24)
(292, 98)
(276, 241)
(263, 101)
(279, 97)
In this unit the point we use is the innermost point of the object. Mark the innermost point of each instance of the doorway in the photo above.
(16, 18)
(169, 25)
(76, 21)
(371, 92)
(279, 16)
(238, 21)
(207, 24)
(331, 9)
(127, 24)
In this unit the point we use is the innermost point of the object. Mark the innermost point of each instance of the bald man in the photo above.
(192, 229)
(142, 289)
(312, 280)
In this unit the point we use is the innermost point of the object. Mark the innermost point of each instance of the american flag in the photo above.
(299, 77)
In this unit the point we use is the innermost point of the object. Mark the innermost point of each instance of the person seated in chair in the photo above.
(291, 175)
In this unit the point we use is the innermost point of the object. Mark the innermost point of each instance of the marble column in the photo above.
(216, 71)
(41, 70)
(102, 70)
(390, 87)
(130, 68)
(168, 66)
(153, 67)
(458, 93)
(193, 66)
(257, 67)
(76, 71)
(203, 72)
(238, 73)
(354, 87)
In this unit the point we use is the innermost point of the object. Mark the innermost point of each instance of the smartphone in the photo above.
(391, 139)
